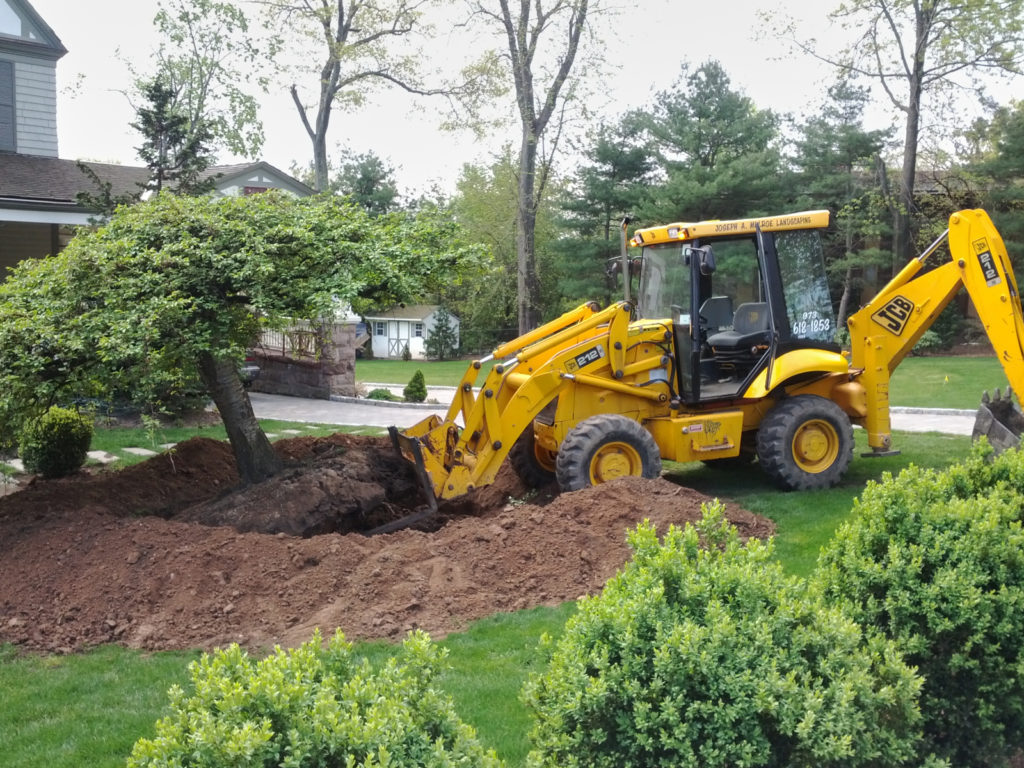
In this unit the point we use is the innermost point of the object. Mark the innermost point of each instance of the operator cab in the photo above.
(738, 294)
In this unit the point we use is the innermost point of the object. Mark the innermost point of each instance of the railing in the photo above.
(301, 340)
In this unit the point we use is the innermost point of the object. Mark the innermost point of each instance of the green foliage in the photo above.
(174, 147)
(132, 306)
(383, 394)
(416, 390)
(55, 444)
(313, 706)
(442, 342)
(711, 656)
(718, 150)
(934, 560)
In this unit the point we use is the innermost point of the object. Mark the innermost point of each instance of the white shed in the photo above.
(392, 330)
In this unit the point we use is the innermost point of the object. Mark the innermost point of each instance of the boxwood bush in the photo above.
(313, 707)
(712, 656)
(55, 444)
(934, 560)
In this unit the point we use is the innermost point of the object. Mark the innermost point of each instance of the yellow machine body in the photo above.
(594, 361)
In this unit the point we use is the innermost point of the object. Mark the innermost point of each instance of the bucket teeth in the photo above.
(985, 398)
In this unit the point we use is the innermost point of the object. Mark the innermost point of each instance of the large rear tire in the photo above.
(534, 464)
(604, 447)
(804, 443)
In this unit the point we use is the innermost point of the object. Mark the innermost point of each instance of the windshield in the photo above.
(805, 286)
(665, 284)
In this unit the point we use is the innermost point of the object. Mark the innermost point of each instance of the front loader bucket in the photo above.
(999, 420)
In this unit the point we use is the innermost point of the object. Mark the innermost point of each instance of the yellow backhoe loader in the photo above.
(726, 356)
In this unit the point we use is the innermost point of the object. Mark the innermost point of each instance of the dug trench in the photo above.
(172, 554)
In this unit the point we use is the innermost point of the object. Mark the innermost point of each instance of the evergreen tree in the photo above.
(836, 160)
(610, 186)
(442, 343)
(174, 148)
(717, 148)
(369, 181)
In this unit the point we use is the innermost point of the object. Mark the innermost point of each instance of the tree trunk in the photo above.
(527, 282)
(254, 455)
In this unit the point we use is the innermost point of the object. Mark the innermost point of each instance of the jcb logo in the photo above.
(894, 315)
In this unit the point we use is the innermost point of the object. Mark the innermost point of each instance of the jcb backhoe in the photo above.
(727, 355)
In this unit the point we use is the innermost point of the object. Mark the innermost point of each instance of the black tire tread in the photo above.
(775, 436)
(583, 441)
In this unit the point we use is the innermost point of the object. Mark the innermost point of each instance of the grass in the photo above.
(443, 373)
(88, 709)
(945, 382)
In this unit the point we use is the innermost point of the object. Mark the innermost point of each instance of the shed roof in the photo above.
(417, 312)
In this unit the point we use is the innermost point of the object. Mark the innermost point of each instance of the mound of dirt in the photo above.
(170, 554)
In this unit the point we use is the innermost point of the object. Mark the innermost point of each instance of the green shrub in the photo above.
(714, 657)
(313, 707)
(935, 562)
(416, 390)
(55, 444)
(383, 394)
(406, 353)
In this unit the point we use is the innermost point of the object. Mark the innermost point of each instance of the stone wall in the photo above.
(332, 371)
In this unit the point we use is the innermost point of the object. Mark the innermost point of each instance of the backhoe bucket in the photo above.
(999, 420)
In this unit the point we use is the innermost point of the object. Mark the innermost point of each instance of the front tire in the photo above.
(604, 447)
(805, 443)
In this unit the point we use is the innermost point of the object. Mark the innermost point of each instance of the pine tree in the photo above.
(174, 148)
(442, 342)
(416, 390)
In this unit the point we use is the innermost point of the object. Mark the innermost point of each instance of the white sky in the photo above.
(648, 45)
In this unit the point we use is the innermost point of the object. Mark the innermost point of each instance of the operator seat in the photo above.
(737, 350)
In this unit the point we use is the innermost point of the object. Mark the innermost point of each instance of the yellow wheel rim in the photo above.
(614, 460)
(815, 446)
(544, 457)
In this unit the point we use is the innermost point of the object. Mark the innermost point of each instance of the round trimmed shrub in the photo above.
(711, 656)
(416, 390)
(935, 562)
(55, 444)
(313, 707)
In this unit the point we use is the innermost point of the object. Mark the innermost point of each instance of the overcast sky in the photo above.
(649, 44)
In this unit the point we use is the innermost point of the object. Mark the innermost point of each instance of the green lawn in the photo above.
(88, 709)
(922, 382)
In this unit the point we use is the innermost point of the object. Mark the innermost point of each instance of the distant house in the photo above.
(392, 330)
(38, 190)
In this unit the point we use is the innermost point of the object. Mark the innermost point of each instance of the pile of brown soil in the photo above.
(171, 554)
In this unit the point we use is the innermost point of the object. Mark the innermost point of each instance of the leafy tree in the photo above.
(485, 204)
(177, 288)
(213, 62)
(611, 185)
(442, 342)
(175, 149)
(835, 160)
(1004, 167)
(718, 150)
(350, 49)
(916, 49)
(542, 39)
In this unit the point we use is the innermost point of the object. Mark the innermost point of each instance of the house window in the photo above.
(378, 329)
(7, 143)
(417, 330)
(253, 190)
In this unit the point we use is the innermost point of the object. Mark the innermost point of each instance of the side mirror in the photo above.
(705, 256)
(707, 261)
